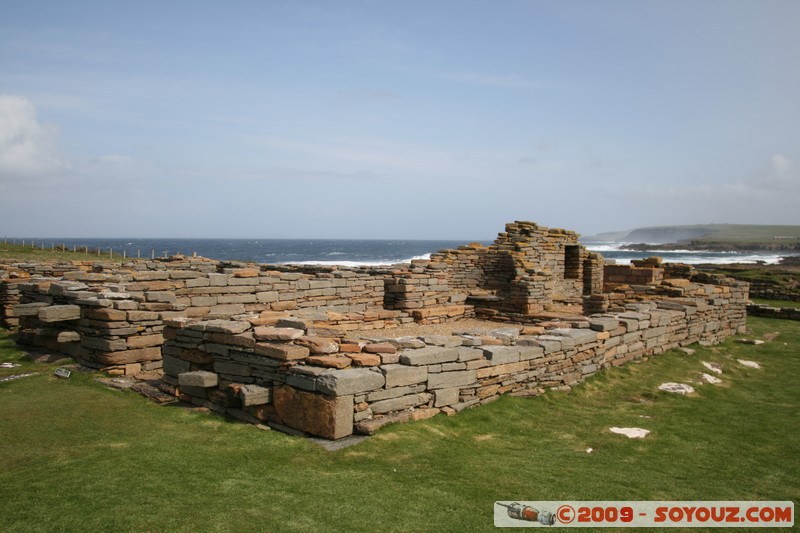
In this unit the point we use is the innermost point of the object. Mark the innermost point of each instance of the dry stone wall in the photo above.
(290, 374)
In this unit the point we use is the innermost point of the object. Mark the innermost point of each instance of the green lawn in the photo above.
(77, 456)
(28, 253)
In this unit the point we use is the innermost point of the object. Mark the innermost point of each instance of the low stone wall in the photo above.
(289, 373)
(786, 313)
(113, 320)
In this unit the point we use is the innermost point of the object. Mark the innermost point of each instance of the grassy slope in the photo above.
(26, 253)
(78, 456)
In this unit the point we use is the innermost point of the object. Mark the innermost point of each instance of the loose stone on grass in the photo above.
(748, 364)
(676, 388)
(631, 433)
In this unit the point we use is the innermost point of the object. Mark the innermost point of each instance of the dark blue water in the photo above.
(353, 252)
(320, 251)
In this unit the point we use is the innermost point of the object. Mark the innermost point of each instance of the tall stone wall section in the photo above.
(115, 319)
(287, 375)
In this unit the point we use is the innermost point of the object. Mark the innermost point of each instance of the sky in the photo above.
(434, 119)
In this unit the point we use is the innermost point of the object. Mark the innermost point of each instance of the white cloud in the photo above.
(27, 147)
(781, 175)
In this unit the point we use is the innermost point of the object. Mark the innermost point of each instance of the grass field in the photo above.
(80, 457)
(28, 253)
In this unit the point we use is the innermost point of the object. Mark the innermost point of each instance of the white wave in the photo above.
(356, 264)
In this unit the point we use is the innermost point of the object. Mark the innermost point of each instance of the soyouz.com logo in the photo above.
(644, 514)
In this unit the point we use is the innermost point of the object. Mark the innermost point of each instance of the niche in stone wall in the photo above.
(572, 262)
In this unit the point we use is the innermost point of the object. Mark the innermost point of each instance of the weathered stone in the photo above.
(318, 345)
(68, 336)
(499, 355)
(254, 395)
(603, 323)
(448, 341)
(444, 380)
(30, 309)
(399, 404)
(102, 344)
(444, 397)
(282, 351)
(145, 341)
(371, 425)
(173, 366)
(231, 327)
(469, 354)
(314, 413)
(407, 342)
(329, 361)
(269, 333)
(380, 347)
(199, 378)
(399, 375)
(349, 381)
(59, 313)
(508, 368)
(365, 359)
(231, 368)
(428, 356)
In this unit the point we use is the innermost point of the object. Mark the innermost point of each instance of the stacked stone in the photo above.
(425, 293)
(465, 267)
(9, 297)
(785, 313)
(95, 325)
(631, 275)
(331, 385)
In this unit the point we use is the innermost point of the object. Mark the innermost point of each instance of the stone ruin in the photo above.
(309, 348)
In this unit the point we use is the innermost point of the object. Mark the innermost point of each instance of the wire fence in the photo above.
(100, 252)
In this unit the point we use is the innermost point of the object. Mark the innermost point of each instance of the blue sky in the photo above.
(387, 119)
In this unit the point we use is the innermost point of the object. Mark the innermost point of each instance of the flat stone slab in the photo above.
(59, 313)
(199, 378)
(429, 356)
(748, 364)
(631, 433)
(676, 388)
(349, 381)
(714, 367)
(708, 378)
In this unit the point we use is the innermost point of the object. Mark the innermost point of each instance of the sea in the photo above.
(353, 252)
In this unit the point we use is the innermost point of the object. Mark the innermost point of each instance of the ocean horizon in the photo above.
(355, 252)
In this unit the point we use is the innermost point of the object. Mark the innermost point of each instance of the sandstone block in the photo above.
(428, 356)
(329, 361)
(199, 378)
(282, 351)
(444, 380)
(174, 367)
(254, 395)
(145, 341)
(380, 347)
(400, 404)
(318, 345)
(365, 359)
(59, 313)
(349, 381)
(270, 333)
(400, 375)
(444, 397)
(125, 357)
(229, 367)
(225, 326)
(314, 413)
(500, 355)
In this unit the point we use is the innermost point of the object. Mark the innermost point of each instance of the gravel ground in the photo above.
(446, 328)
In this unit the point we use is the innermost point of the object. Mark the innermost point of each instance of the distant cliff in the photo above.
(715, 237)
